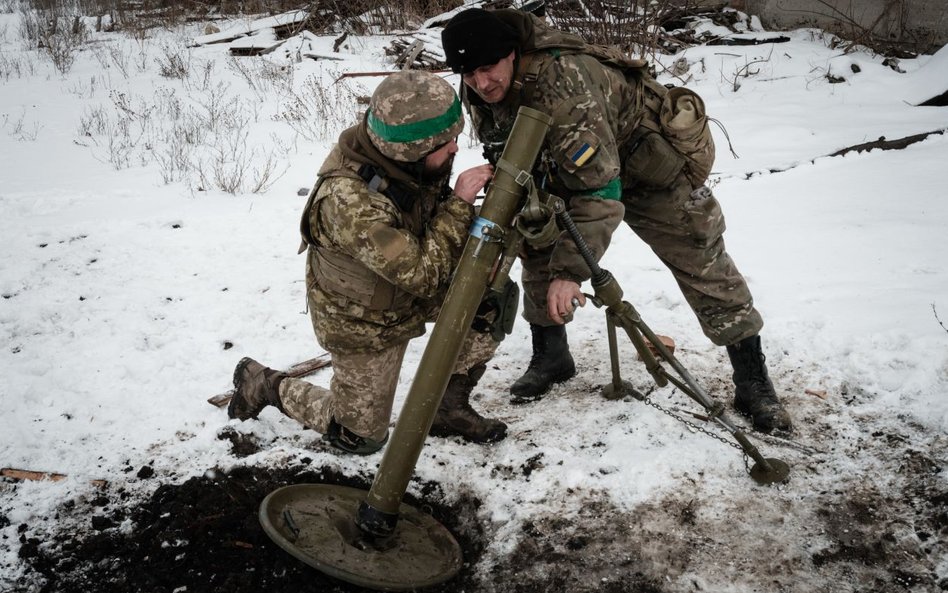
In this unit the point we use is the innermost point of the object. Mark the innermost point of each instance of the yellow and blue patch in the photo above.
(583, 154)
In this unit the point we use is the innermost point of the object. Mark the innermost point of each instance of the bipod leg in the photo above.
(630, 320)
(609, 293)
(765, 470)
(619, 388)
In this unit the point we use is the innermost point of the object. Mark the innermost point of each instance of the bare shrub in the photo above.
(93, 122)
(85, 90)
(29, 28)
(235, 167)
(201, 138)
(381, 16)
(141, 56)
(17, 66)
(888, 33)
(205, 74)
(9, 6)
(174, 159)
(55, 28)
(262, 75)
(111, 55)
(173, 62)
(220, 109)
(321, 109)
(20, 129)
(635, 26)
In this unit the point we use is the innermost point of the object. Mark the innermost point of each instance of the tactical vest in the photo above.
(337, 273)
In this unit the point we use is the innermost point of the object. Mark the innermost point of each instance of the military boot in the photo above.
(754, 393)
(551, 363)
(456, 416)
(255, 387)
(345, 440)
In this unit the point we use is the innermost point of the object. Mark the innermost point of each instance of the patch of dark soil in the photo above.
(242, 445)
(203, 536)
(595, 549)
(896, 538)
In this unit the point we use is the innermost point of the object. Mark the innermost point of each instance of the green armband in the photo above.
(612, 191)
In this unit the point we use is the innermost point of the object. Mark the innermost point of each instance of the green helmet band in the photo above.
(414, 131)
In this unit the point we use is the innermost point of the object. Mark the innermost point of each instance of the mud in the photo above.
(200, 536)
(884, 531)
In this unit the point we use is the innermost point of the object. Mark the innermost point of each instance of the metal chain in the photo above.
(701, 429)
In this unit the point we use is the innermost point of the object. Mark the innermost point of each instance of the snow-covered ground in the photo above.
(131, 286)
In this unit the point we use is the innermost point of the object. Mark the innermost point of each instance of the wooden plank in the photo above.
(13, 473)
(407, 58)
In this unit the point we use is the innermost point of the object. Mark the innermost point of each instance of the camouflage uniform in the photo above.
(604, 112)
(375, 274)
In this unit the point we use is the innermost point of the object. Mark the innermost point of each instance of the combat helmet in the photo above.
(411, 114)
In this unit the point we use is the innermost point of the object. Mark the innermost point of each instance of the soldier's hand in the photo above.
(560, 297)
(472, 181)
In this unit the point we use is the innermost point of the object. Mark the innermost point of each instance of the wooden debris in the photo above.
(378, 73)
(665, 340)
(282, 25)
(321, 56)
(820, 393)
(408, 57)
(884, 144)
(339, 41)
(38, 476)
(881, 144)
(736, 40)
(255, 45)
(416, 53)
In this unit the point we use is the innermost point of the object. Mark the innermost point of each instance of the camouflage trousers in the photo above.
(685, 232)
(362, 388)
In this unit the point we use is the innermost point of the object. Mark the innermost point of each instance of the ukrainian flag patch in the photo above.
(582, 155)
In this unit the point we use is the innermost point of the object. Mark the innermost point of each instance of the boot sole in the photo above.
(241, 365)
(236, 380)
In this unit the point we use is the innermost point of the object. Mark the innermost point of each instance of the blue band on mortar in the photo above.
(477, 227)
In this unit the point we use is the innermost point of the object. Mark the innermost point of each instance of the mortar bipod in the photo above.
(621, 313)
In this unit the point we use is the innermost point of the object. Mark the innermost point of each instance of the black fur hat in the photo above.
(475, 38)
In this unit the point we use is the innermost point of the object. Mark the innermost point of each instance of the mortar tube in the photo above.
(378, 514)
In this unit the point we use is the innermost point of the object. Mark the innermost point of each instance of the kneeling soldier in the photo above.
(383, 232)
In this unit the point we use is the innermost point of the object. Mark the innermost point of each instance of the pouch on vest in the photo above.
(685, 125)
(345, 277)
(652, 162)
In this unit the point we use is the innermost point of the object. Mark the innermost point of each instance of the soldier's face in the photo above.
(492, 82)
(440, 161)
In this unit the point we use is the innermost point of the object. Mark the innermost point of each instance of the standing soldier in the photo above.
(621, 146)
(383, 232)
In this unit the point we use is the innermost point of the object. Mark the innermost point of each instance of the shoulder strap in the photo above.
(532, 64)
(379, 182)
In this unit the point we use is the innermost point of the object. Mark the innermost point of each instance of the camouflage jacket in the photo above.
(595, 106)
(374, 270)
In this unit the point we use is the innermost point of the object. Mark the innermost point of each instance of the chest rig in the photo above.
(341, 275)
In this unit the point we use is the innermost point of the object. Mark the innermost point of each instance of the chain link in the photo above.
(698, 428)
